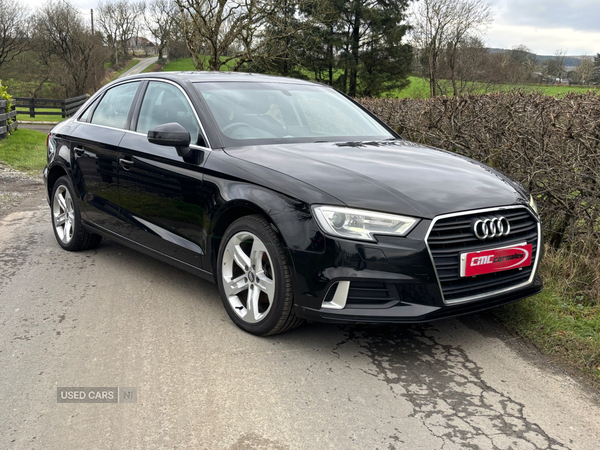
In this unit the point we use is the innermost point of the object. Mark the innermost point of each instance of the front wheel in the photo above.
(66, 219)
(255, 279)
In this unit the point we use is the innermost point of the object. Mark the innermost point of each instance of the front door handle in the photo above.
(125, 163)
(79, 151)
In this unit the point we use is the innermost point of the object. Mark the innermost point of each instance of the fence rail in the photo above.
(4, 117)
(65, 107)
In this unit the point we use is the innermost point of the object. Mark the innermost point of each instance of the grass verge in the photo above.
(558, 322)
(24, 150)
(116, 74)
(152, 68)
(129, 65)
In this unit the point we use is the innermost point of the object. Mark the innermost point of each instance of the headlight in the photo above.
(533, 205)
(359, 224)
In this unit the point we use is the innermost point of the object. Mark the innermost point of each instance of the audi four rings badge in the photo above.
(492, 227)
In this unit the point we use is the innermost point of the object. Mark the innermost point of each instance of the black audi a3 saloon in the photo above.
(295, 200)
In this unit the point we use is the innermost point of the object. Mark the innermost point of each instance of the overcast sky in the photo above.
(544, 26)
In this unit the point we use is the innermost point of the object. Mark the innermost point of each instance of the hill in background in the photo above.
(571, 60)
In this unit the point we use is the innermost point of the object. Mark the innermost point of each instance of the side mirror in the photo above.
(171, 135)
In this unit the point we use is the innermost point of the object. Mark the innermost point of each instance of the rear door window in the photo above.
(115, 105)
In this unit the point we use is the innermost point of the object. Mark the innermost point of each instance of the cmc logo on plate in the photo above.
(496, 260)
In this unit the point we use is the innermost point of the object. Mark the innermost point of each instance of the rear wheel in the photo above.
(66, 219)
(254, 278)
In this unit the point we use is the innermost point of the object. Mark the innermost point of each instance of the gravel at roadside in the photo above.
(17, 188)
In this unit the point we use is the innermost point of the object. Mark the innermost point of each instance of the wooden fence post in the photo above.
(65, 107)
(5, 127)
(2, 120)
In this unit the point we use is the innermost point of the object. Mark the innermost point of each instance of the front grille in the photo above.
(451, 236)
(368, 294)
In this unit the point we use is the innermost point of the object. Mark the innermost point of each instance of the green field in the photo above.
(24, 150)
(419, 87)
(40, 118)
(19, 88)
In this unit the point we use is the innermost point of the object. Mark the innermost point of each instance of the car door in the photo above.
(160, 193)
(95, 144)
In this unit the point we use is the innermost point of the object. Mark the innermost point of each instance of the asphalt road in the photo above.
(115, 318)
(139, 67)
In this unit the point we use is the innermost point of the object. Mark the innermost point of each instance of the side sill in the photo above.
(150, 252)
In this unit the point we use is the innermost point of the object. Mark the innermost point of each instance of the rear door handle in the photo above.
(125, 163)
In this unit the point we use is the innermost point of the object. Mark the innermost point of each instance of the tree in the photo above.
(470, 16)
(372, 46)
(355, 45)
(322, 39)
(439, 29)
(284, 43)
(596, 74)
(161, 19)
(228, 30)
(119, 21)
(474, 69)
(13, 30)
(585, 71)
(301, 36)
(73, 56)
(556, 67)
(523, 63)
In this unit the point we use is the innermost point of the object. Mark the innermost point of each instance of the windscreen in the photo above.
(263, 113)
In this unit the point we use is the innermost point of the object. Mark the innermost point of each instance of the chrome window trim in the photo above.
(161, 80)
(499, 291)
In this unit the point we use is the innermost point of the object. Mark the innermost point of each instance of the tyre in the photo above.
(255, 279)
(66, 219)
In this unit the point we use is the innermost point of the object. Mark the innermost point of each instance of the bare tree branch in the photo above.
(13, 30)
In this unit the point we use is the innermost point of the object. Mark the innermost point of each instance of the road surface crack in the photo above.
(446, 389)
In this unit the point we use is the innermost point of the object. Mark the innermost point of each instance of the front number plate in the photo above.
(496, 260)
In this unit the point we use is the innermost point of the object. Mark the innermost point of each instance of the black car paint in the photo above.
(397, 177)
(281, 182)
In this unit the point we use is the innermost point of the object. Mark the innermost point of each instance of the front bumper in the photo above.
(45, 176)
(404, 312)
(391, 281)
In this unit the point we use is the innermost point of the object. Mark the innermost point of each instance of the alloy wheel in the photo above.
(248, 277)
(63, 214)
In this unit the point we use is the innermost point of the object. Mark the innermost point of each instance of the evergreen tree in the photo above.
(596, 75)
(279, 53)
(354, 45)
(372, 46)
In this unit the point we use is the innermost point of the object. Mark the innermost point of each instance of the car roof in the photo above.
(210, 77)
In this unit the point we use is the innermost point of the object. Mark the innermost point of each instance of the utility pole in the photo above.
(92, 12)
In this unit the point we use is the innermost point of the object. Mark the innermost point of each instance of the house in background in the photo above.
(140, 44)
